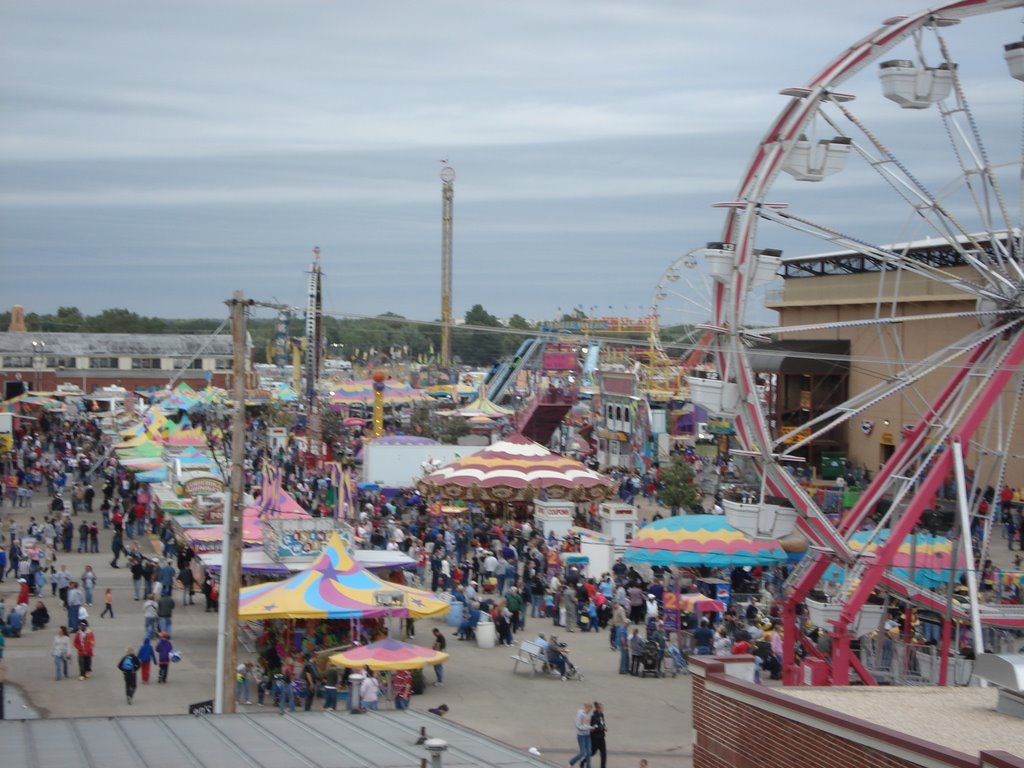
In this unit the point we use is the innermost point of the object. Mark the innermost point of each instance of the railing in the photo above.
(891, 660)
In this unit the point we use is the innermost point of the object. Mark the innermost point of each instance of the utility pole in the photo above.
(231, 566)
(447, 201)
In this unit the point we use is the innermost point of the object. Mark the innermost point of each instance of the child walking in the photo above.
(108, 603)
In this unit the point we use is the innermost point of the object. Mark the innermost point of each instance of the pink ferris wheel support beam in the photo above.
(876, 487)
(885, 556)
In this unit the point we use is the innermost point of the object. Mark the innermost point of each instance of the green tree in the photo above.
(330, 424)
(678, 490)
(452, 429)
(474, 347)
(510, 342)
(424, 422)
(71, 318)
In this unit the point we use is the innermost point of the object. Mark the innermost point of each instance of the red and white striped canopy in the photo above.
(516, 469)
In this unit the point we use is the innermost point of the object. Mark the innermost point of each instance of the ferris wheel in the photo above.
(682, 305)
(893, 212)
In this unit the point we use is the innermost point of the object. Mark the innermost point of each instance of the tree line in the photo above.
(361, 339)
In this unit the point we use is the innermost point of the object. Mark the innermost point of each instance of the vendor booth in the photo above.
(334, 586)
(618, 522)
(596, 549)
(553, 518)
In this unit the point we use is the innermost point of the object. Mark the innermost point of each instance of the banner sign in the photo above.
(300, 540)
(670, 609)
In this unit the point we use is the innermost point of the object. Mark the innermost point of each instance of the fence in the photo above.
(896, 662)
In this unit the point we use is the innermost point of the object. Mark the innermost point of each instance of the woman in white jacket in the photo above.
(61, 652)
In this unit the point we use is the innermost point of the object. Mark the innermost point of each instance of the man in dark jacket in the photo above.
(129, 666)
(117, 547)
(188, 582)
(164, 609)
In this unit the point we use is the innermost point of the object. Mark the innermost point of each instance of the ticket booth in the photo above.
(553, 518)
(618, 522)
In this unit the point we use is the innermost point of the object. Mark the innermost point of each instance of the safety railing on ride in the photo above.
(896, 662)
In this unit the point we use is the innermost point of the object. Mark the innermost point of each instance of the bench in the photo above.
(529, 653)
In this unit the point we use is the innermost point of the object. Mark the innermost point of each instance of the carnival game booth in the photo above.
(691, 541)
(924, 558)
(596, 549)
(481, 406)
(701, 541)
(334, 586)
(515, 472)
(330, 604)
(207, 534)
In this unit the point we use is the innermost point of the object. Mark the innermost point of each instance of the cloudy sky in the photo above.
(159, 156)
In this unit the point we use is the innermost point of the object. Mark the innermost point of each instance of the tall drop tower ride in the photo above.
(314, 358)
(447, 200)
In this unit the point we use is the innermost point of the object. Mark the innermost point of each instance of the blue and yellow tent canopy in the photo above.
(334, 587)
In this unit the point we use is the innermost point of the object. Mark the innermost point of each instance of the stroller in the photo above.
(650, 660)
(572, 672)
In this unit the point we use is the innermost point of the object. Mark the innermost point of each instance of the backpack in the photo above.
(127, 665)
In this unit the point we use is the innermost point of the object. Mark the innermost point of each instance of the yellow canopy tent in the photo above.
(335, 586)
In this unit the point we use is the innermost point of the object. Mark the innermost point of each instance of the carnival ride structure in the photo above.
(965, 396)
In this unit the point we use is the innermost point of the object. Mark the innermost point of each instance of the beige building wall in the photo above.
(877, 352)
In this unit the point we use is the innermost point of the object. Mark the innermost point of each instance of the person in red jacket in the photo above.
(85, 644)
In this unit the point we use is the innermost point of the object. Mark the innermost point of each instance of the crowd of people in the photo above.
(501, 571)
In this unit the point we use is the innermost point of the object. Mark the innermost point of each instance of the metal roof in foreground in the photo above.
(260, 740)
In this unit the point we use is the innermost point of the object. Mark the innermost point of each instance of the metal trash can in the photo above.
(355, 701)
(455, 611)
(486, 634)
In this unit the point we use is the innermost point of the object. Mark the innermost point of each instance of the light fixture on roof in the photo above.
(915, 88)
(436, 747)
(813, 162)
(1014, 55)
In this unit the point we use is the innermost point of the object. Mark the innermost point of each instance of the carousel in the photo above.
(513, 471)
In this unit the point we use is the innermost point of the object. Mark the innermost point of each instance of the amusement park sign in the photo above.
(607, 324)
(300, 540)
(720, 427)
